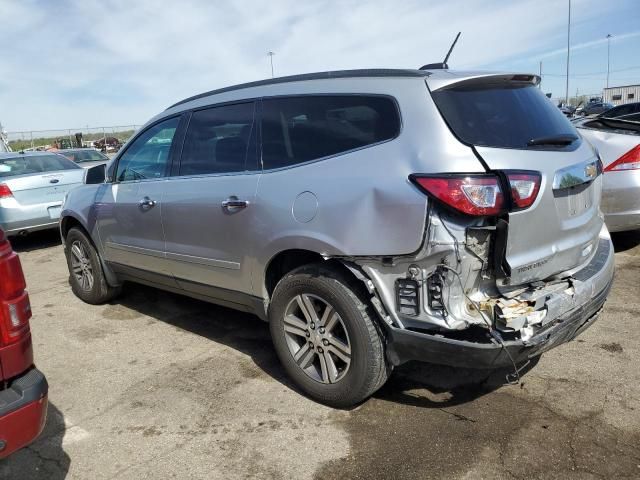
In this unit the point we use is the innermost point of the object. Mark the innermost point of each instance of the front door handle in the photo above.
(146, 204)
(233, 202)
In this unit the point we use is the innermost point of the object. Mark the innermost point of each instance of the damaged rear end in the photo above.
(515, 260)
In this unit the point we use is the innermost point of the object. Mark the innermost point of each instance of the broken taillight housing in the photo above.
(628, 161)
(477, 195)
(524, 189)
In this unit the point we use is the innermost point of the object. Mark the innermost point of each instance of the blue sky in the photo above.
(73, 63)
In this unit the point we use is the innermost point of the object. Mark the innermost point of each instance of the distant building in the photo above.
(622, 95)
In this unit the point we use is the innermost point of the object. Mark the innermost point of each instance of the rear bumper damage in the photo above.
(569, 306)
(405, 345)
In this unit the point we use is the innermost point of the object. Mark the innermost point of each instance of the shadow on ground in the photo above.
(45, 459)
(241, 331)
(250, 335)
(36, 240)
(624, 241)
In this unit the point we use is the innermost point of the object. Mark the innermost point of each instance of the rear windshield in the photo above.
(501, 116)
(28, 164)
(85, 156)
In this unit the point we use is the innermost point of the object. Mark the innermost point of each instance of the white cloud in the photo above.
(120, 62)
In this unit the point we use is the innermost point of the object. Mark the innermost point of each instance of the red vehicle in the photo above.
(23, 388)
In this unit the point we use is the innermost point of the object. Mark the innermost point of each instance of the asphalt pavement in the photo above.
(157, 386)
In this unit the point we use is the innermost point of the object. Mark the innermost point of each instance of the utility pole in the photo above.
(271, 54)
(566, 94)
(540, 75)
(608, 55)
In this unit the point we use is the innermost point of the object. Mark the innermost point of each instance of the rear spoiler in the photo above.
(442, 82)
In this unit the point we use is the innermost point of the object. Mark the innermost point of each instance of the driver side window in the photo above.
(148, 156)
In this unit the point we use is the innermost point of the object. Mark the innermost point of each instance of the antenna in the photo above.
(451, 49)
(443, 65)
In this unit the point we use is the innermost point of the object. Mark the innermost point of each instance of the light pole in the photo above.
(566, 95)
(608, 55)
(540, 84)
(271, 54)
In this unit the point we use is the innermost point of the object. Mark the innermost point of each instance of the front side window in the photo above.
(148, 156)
(219, 140)
(300, 129)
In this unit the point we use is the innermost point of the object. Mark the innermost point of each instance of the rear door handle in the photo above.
(233, 202)
(146, 203)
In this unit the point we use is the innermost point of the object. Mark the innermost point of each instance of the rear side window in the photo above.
(300, 129)
(501, 116)
(34, 164)
(220, 140)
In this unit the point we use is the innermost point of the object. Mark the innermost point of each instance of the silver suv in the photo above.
(371, 216)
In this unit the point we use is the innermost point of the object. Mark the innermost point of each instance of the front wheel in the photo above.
(324, 334)
(86, 275)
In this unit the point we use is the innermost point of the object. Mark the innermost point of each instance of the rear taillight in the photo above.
(628, 161)
(524, 189)
(478, 195)
(15, 309)
(5, 191)
(481, 195)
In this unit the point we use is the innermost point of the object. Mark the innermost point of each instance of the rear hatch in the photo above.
(36, 179)
(511, 125)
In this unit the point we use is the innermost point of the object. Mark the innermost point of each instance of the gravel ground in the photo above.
(156, 385)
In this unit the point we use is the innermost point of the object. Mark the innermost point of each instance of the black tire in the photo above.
(98, 291)
(368, 369)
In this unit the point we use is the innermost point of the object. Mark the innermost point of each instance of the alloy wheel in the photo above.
(317, 338)
(81, 266)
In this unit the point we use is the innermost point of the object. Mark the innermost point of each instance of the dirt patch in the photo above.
(92, 333)
(119, 312)
(424, 434)
(613, 347)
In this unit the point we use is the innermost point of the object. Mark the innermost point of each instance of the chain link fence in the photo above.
(104, 138)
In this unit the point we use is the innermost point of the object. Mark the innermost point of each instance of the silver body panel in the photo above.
(358, 207)
(620, 189)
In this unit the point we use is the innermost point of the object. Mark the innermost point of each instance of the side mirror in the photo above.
(95, 175)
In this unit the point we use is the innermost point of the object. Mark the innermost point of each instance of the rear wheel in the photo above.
(86, 275)
(325, 336)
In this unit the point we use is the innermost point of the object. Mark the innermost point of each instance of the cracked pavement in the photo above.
(156, 385)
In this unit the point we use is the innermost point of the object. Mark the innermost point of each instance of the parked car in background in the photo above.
(108, 144)
(85, 157)
(567, 110)
(629, 111)
(593, 108)
(23, 388)
(618, 143)
(32, 186)
(371, 216)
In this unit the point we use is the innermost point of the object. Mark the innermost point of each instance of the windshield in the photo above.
(85, 156)
(34, 164)
(502, 115)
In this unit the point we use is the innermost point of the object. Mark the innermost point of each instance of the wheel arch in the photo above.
(288, 260)
(70, 221)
